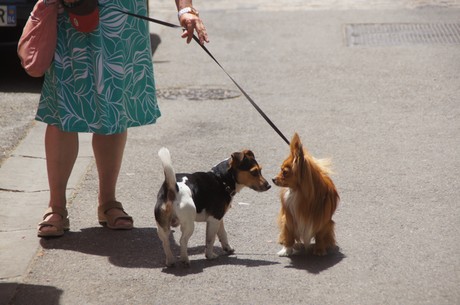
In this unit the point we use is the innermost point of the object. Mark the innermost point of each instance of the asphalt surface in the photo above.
(388, 116)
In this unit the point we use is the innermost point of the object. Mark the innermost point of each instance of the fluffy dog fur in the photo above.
(308, 201)
(203, 196)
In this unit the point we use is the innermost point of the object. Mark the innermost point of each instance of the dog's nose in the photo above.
(274, 180)
(268, 186)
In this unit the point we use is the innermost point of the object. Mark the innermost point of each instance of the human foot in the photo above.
(55, 222)
(112, 215)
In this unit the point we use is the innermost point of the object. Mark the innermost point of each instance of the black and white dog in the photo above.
(203, 196)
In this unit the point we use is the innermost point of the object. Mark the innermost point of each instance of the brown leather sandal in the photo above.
(60, 225)
(110, 221)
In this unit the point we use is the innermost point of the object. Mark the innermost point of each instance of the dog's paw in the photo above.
(170, 262)
(319, 251)
(185, 263)
(285, 252)
(211, 255)
(299, 247)
(228, 249)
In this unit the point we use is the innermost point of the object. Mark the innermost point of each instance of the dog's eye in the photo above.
(285, 172)
(254, 173)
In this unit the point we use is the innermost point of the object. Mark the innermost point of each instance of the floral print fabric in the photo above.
(101, 82)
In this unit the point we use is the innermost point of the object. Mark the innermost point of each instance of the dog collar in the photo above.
(230, 190)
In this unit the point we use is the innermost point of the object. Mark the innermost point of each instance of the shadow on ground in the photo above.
(305, 260)
(22, 294)
(199, 265)
(137, 248)
(140, 248)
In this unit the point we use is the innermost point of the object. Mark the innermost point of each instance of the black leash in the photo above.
(215, 60)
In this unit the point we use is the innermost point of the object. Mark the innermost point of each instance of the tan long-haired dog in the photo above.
(308, 201)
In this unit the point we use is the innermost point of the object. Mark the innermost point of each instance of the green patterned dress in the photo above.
(101, 82)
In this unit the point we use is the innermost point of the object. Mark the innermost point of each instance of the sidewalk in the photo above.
(387, 115)
(24, 196)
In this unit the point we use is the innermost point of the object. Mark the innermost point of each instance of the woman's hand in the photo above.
(191, 23)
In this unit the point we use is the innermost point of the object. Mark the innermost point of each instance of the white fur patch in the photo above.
(184, 206)
(304, 230)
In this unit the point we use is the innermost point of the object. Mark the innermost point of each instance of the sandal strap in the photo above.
(61, 225)
(111, 220)
(58, 224)
(56, 210)
(105, 207)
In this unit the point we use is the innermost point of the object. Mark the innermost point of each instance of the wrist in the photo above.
(187, 10)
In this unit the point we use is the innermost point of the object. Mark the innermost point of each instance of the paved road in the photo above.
(388, 116)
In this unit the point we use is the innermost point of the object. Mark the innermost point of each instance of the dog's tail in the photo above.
(170, 175)
(325, 165)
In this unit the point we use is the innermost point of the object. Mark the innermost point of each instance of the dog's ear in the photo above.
(302, 163)
(295, 143)
(249, 153)
(237, 158)
(298, 155)
(243, 160)
(296, 148)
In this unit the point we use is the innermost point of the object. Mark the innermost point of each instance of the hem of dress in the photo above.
(87, 130)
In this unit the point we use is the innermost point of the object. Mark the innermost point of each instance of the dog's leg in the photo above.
(222, 234)
(163, 233)
(212, 227)
(187, 229)
(287, 239)
(305, 243)
(285, 251)
(324, 239)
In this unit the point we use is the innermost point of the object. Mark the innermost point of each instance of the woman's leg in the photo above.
(108, 152)
(61, 149)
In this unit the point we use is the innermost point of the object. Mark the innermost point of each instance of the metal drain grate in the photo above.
(197, 94)
(402, 34)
